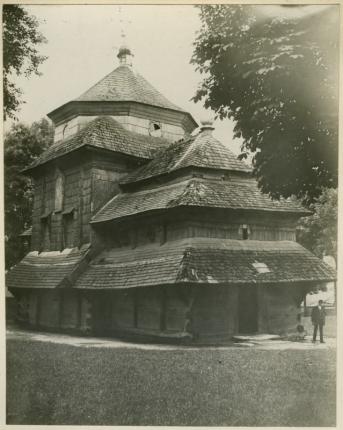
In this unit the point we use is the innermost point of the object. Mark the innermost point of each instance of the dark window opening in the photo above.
(68, 230)
(245, 233)
(45, 233)
(155, 129)
(59, 192)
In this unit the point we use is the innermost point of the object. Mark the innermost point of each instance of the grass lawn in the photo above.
(50, 383)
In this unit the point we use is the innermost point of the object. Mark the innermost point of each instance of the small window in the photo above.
(68, 230)
(155, 129)
(59, 192)
(65, 130)
(261, 267)
(244, 231)
(45, 233)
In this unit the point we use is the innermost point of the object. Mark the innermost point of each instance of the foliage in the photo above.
(22, 145)
(20, 55)
(275, 73)
(318, 233)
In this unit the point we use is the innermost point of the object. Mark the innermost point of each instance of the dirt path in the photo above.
(92, 342)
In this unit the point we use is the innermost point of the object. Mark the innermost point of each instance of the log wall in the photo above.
(136, 124)
(214, 315)
(279, 308)
(209, 313)
(85, 190)
(160, 230)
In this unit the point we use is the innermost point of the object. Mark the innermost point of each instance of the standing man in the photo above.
(318, 319)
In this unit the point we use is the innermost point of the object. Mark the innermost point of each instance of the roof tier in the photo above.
(202, 150)
(195, 192)
(124, 84)
(204, 261)
(46, 269)
(104, 133)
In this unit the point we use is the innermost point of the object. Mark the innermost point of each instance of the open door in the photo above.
(247, 310)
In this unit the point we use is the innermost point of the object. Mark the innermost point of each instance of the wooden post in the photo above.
(135, 308)
(163, 322)
(38, 309)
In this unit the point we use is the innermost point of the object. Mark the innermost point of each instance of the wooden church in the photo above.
(143, 227)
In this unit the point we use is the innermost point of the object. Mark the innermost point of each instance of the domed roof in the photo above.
(124, 84)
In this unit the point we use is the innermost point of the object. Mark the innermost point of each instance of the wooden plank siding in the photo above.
(161, 229)
(86, 189)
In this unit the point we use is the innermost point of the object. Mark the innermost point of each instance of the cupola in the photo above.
(125, 56)
(207, 127)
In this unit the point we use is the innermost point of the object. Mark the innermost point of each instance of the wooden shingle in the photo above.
(195, 192)
(45, 270)
(124, 84)
(202, 150)
(200, 260)
(104, 133)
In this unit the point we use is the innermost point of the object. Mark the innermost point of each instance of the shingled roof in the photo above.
(104, 133)
(45, 270)
(199, 261)
(202, 150)
(124, 84)
(195, 192)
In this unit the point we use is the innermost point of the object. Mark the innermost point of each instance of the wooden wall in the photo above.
(85, 190)
(209, 313)
(214, 314)
(279, 308)
(160, 230)
(58, 309)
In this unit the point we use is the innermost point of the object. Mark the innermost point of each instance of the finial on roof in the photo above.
(125, 56)
(207, 126)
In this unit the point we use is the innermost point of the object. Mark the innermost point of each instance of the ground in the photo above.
(56, 379)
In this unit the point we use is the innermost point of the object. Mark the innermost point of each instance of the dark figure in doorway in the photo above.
(318, 320)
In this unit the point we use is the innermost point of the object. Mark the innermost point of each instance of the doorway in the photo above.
(247, 310)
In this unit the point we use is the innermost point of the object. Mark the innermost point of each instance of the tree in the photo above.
(20, 55)
(274, 71)
(318, 232)
(22, 145)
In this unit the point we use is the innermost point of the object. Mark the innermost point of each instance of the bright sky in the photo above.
(83, 41)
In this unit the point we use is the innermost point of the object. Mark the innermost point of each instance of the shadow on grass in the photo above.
(79, 385)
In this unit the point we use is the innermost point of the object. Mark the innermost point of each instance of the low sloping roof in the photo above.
(124, 84)
(202, 150)
(104, 133)
(204, 261)
(45, 270)
(195, 192)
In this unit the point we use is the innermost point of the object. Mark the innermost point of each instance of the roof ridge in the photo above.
(188, 150)
(105, 206)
